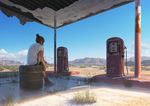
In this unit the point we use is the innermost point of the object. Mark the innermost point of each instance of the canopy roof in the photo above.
(66, 11)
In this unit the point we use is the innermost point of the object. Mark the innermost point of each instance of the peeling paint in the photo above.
(137, 38)
(78, 10)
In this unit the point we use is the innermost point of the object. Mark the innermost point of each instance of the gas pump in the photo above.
(115, 57)
(62, 60)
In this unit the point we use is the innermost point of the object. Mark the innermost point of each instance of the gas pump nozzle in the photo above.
(126, 59)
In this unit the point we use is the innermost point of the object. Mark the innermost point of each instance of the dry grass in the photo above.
(85, 71)
(105, 97)
(97, 70)
(88, 71)
(145, 69)
(84, 97)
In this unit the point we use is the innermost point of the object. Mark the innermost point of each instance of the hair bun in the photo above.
(39, 38)
(37, 35)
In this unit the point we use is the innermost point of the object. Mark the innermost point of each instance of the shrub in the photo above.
(84, 97)
(1, 68)
(12, 68)
(102, 68)
(82, 66)
(132, 69)
(145, 68)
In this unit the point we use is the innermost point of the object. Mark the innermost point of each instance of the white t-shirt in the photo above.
(33, 52)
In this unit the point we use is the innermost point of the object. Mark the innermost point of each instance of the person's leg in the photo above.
(44, 72)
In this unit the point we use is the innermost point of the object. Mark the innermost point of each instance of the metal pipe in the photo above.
(55, 43)
(137, 39)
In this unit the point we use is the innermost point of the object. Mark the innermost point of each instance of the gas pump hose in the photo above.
(126, 63)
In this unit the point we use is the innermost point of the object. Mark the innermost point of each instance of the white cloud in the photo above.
(22, 53)
(18, 56)
(145, 46)
(3, 51)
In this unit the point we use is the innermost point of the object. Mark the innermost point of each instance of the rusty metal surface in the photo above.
(115, 57)
(68, 11)
(137, 38)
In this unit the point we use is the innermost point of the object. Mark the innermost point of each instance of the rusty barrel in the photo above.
(31, 76)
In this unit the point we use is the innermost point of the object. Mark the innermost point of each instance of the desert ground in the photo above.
(64, 90)
(105, 96)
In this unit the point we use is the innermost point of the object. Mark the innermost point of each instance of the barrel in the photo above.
(31, 76)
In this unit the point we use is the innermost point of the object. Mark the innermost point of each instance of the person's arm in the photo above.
(41, 58)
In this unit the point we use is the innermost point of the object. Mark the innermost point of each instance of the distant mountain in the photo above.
(145, 61)
(130, 63)
(100, 61)
(142, 58)
(10, 62)
(88, 61)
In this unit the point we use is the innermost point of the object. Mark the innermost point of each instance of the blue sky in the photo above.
(86, 38)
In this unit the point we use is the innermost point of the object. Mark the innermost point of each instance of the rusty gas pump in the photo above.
(62, 60)
(115, 57)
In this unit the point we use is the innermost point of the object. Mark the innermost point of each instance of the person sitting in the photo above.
(36, 55)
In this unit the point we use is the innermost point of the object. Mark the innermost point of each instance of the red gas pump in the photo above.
(115, 57)
(62, 60)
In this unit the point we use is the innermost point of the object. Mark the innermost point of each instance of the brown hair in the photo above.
(39, 38)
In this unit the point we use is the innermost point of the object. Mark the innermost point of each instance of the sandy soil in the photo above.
(105, 97)
(86, 71)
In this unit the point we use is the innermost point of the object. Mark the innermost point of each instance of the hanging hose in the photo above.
(126, 61)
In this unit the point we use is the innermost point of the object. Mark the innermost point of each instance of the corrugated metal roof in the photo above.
(67, 11)
(53, 4)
